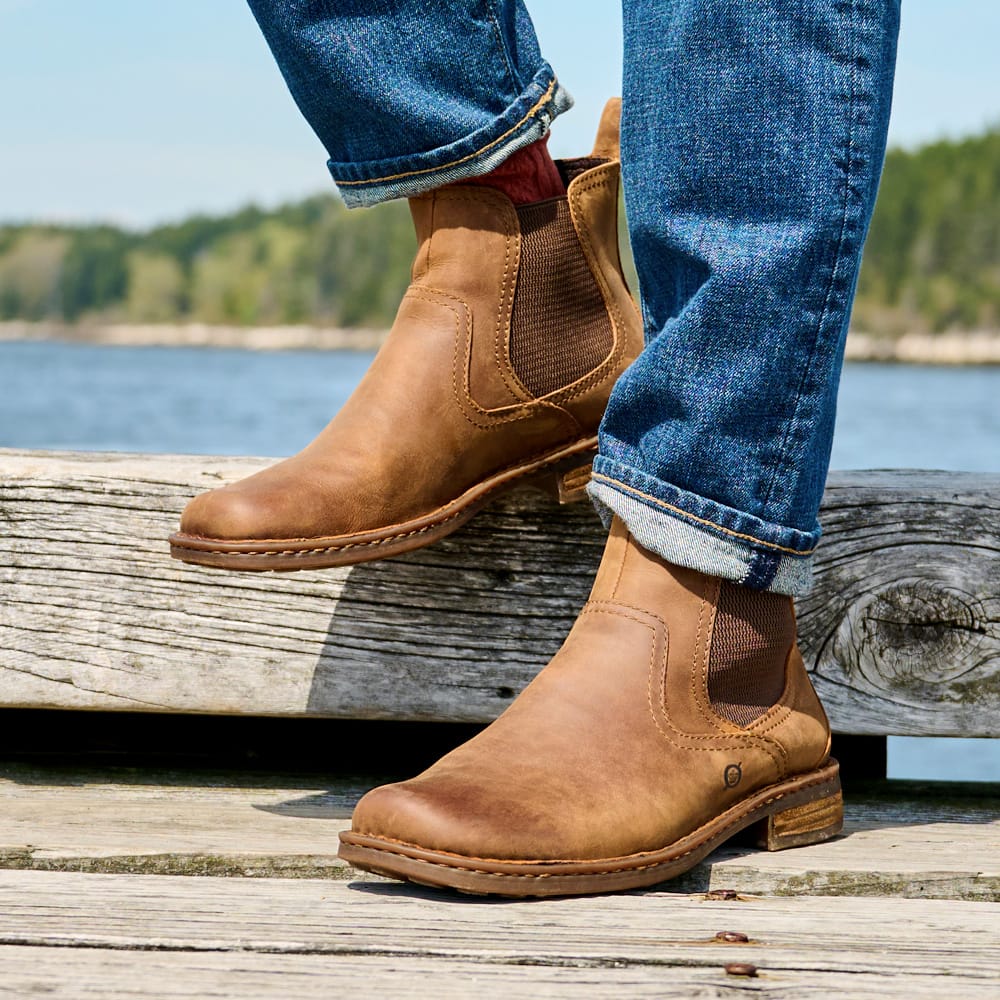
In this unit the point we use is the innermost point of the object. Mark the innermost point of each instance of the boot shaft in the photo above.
(739, 667)
(551, 314)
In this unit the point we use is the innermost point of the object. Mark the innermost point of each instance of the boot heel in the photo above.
(810, 823)
(567, 482)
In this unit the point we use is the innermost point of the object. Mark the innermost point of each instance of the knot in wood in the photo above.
(912, 635)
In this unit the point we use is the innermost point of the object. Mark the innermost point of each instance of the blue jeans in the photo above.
(753, 134)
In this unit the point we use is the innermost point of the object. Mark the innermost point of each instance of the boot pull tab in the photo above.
(606, 143)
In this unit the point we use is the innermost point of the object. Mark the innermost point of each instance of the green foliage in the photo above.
(156, 287)
(932, 261)
(94, 271)
(31, 267)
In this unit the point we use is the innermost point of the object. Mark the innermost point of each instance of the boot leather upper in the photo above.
(441, 406)
(614, 748)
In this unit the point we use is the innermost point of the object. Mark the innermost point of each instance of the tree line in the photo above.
(932, 261)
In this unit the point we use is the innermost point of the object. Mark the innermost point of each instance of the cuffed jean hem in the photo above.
(698, 533)
(524, 122)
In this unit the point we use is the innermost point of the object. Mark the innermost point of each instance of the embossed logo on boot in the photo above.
(732, 775)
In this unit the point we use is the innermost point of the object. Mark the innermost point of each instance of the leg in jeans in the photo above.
(753, 138)
(678, 711)
(411, 95)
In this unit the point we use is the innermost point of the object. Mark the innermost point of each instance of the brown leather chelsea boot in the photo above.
(496, 374)
(677, 714)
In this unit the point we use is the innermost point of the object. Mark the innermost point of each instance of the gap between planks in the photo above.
(86, 822)
(143, 936)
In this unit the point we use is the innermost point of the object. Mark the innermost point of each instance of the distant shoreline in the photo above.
(251, 338)
(973, 348)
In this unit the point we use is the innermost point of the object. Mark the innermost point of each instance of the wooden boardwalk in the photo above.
(116, 885)
(145, 883)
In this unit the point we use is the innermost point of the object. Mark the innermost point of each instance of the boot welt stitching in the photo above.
(340, 546)
(585, 861)
(328, 548)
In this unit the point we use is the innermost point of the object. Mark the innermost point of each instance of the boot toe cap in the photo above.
(401, 813)
(463, 819)
(226, 513)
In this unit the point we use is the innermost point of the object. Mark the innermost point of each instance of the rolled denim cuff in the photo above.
(522, 123)
(690, 530)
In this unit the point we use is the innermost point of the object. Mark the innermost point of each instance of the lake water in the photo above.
(219, 402)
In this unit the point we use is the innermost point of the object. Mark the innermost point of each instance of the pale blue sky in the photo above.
(137, 111)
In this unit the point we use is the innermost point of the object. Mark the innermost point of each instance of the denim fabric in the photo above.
(408, 95)
(753, 134)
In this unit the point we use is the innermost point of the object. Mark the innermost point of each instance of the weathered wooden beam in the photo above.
(902, 632)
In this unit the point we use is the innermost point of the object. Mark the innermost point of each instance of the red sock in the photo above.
(528, 175)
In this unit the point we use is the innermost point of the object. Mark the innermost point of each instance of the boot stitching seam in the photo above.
(779, 711)
(523, 410)
(481, 196)
(608, 365)
(501, 333)
(623, 857)
(373, 542)
(720, 742)
(429, 293)
(506, 296)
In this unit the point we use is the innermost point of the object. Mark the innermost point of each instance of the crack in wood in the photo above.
(405, 638)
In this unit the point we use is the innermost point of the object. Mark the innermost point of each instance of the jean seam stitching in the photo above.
(834, 272)
(515, 79)
(544, 99)
(687, 515)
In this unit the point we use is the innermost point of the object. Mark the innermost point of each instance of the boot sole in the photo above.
(803, 810)
(564, 474)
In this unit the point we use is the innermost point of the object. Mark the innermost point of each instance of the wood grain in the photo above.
(145, 936)
(902, 631)
(247, 826)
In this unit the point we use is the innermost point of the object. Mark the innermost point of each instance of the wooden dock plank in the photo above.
(171, 936)
(902, 632)
(76, 974)
(79, 821)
